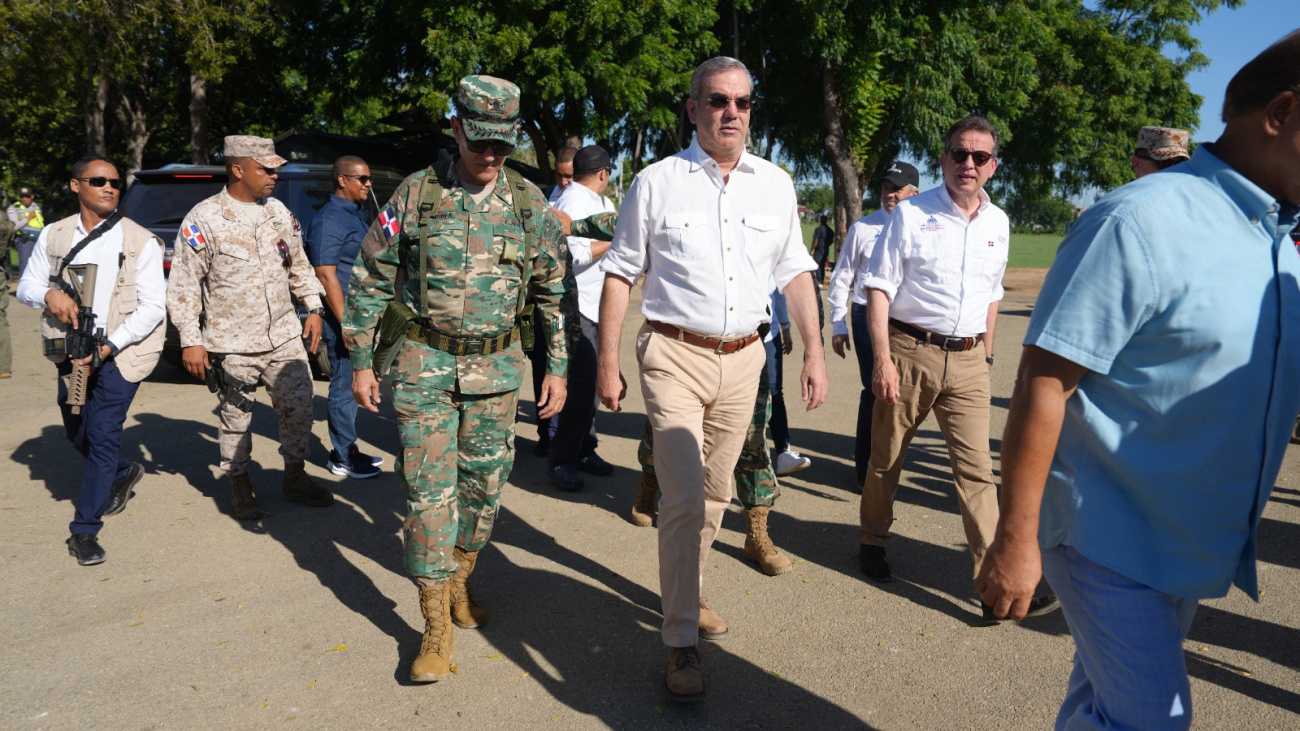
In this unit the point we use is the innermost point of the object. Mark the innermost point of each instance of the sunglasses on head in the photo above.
(100, 181)
(721, 101)
(284, 253)
(363, 179)
(981, 157)
(500, 149)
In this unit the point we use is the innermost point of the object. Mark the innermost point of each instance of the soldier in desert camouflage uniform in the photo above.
(238, 257)
(456, 378)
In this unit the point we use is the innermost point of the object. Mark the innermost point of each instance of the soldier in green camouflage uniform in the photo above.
(456, 378)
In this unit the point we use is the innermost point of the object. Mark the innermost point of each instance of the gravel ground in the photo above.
(306, 617)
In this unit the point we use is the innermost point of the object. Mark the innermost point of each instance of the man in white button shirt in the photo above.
(899, 181)
(573, 447)
(933, 287)
(129, 303)
(708, 227)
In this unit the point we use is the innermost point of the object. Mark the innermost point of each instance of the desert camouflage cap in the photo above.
(1163, 143)
(259, 149)
(488, 108)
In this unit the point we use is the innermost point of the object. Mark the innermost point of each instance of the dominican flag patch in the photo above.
(193, 236)
(388, 222)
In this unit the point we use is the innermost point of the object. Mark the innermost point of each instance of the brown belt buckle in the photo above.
(721, 349)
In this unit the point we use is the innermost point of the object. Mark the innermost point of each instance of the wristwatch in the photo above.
(989, 360)
(113, 350)
(317, 311)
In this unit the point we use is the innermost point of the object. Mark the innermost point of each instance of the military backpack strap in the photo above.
(430, 203)
(523, 205)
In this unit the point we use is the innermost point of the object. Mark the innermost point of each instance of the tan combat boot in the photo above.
(643, 509)
(759, 548)
(242, 502)
(466, 611)
(434, 661)
(298, 486)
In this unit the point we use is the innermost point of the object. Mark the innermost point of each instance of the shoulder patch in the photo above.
(388, 222)
(193, 236)
(297, 227)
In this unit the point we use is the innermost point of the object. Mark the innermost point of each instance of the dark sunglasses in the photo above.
(284, 253)
(500, 149)
(363, 179)
(981, 157)
(100, 181)
(718, 101)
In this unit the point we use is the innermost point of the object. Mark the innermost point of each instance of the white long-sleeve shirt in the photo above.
(579, 201)
(708, 247)
(151, 288)
(851, 268)
(941, 271)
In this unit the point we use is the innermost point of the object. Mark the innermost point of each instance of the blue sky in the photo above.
(1231, 38)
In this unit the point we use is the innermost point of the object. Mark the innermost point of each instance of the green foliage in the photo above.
(1038, 214)
(817, 196)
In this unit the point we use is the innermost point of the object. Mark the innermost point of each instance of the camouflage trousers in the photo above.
(457, 451)
(756, 485)
(287, 378)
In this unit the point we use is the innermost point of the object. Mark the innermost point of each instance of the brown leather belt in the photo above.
(717, 345)
(461, 346)
(944, 342)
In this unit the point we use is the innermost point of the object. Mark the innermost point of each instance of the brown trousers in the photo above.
(699, 404)
(955, 385)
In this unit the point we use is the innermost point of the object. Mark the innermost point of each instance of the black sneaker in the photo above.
(565, 477)
(592, 464)
(1038, 606)
(86, 548)
(121, 491)
(357, 465)
(873, 563)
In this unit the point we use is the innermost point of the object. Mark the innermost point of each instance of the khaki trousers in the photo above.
(699, 404)
(956, 386)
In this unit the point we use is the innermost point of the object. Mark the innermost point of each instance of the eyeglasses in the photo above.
(285, 261)
(500, 149)
(99, 181)
(363, 179)
(981, 157)
(720, 101)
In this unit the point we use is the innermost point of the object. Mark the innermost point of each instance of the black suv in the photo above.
(160, 199)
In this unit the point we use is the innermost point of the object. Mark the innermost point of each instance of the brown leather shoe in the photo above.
(685, 677)
(242, 502)
(711, 625)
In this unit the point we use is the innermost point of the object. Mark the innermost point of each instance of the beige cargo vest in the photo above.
(137, 360)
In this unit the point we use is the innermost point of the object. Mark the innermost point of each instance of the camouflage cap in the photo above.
(1163, 143)
(488, 108)
(259, 149)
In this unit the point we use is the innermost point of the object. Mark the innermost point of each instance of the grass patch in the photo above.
(1034, 251)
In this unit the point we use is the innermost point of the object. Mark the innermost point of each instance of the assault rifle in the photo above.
(84, 339)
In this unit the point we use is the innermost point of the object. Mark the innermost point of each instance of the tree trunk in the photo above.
(199, 153)
(134, 123)
(93, 111)
(844, 169)
(543, 150)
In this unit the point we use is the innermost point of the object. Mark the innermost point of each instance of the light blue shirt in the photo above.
(1180, 293)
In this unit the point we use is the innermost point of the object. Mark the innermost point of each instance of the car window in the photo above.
(304, 196)
(163, 202)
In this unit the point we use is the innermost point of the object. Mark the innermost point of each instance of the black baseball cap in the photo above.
(902, 174)
(25, 192)
(590, 158)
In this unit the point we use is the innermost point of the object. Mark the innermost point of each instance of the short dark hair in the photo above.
(79, 167)
(565, 154)
(343, 163)
(973, 123)
(1265, 76)
(582, 175)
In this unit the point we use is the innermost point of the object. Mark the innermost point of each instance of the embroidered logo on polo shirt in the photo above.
(931, 225)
